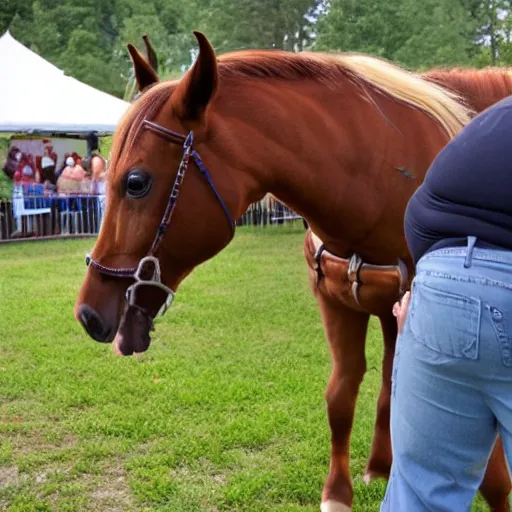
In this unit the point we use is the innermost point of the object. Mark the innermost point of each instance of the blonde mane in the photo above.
(446, 107)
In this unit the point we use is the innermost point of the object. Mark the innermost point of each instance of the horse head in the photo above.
(165, 212)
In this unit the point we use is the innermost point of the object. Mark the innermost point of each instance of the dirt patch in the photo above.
(220, 479)
(113, 494)
(34, 442)
(42, 477)
(9, 476)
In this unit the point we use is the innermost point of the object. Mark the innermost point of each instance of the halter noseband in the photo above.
(148, 271)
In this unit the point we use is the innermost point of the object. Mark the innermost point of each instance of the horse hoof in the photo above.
(334, 506)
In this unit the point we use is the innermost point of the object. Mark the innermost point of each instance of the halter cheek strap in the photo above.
(175, 192)
(188, 152)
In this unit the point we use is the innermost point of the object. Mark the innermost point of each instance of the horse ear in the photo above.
(199, 84)
(150, 53)
(145, 75)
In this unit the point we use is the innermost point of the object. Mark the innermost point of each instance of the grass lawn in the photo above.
(225, 411)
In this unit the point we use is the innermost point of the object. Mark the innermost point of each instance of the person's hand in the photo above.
(400, 310)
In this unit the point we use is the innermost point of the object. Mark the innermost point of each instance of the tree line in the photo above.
(87, 38)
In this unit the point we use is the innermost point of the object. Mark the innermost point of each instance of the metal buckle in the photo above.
(354, 266)
(148, 274)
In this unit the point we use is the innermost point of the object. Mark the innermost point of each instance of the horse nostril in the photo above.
(93, 324)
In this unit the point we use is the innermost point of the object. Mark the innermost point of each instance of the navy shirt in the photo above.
(468, 188)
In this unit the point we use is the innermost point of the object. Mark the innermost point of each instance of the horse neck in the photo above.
(479, 88)
(307, 144)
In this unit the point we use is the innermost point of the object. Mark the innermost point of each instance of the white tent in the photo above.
(38, 98)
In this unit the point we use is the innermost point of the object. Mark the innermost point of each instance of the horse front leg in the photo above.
(345, 330)
(379, 463)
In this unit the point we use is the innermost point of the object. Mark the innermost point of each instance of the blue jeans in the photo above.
(452, 380)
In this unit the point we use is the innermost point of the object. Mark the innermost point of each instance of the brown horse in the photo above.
(343, 140)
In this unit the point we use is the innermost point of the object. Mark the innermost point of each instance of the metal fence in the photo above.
(34, 216)
(266, 212)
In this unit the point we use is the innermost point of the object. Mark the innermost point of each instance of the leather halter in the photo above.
(188, 152)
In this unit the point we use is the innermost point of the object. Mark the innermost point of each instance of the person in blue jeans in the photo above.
(452, 373)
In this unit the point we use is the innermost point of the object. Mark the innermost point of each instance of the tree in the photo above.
(441, 34)
(494, 29)
(417, 34)
(10, 8)
(86, 61)
(87, 38)
(279, 24)
(367, 26)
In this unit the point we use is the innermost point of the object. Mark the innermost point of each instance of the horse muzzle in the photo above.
(94, 325)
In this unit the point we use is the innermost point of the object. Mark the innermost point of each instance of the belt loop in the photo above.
(469, 254)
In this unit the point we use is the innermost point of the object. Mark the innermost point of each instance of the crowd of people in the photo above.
(76, 175)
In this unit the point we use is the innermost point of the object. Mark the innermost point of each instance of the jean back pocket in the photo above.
(445, 322)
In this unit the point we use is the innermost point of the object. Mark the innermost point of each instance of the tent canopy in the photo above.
(36, 97)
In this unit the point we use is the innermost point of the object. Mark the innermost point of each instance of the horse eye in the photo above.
(138, 184)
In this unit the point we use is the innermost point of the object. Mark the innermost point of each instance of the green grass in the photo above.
(225, 411)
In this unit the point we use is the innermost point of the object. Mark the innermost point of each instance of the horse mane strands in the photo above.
(444, 106)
